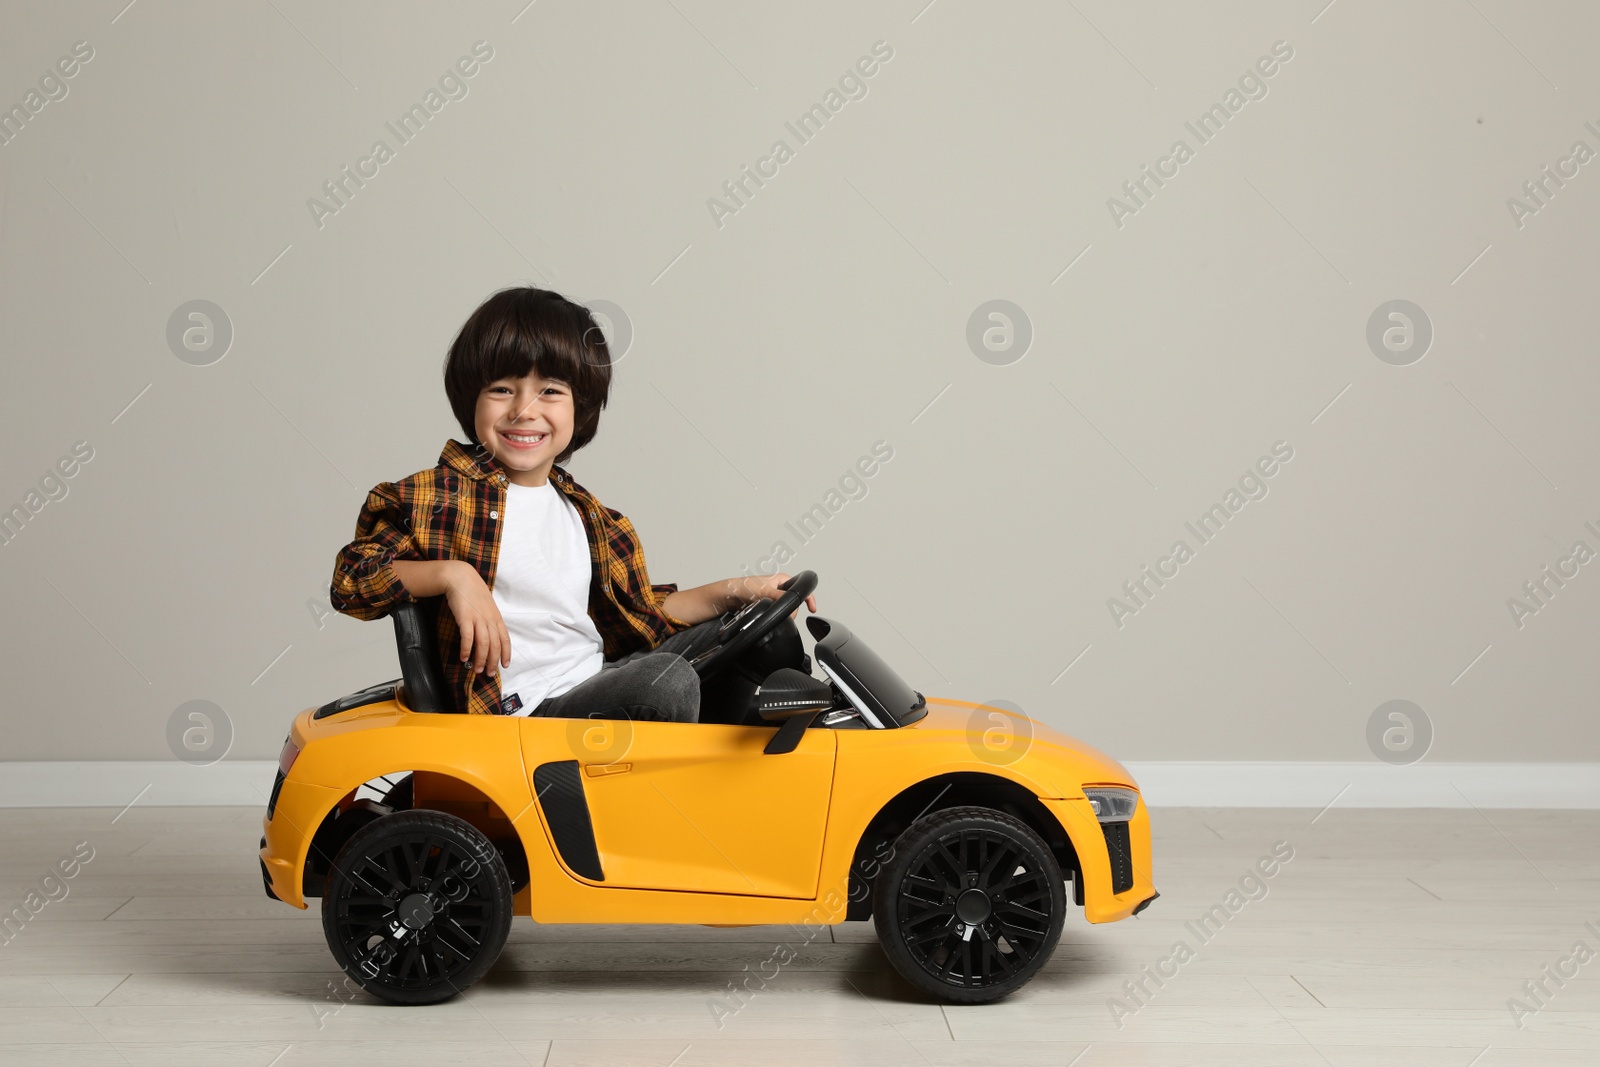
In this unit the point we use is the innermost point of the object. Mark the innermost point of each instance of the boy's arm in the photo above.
(484, 638)
(364, 586)
(708, 601)
(701, 603)
(382, 568)
(682, 608)
(659, 594)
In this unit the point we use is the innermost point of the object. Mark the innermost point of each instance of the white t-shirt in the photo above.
(541, 587)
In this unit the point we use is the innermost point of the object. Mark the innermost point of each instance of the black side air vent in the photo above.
(560, 790)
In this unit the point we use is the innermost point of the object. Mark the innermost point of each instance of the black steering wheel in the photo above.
(744, 628)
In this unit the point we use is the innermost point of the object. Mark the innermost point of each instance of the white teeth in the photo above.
(528, 438)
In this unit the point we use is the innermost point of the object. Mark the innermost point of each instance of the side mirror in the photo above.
(792, 699)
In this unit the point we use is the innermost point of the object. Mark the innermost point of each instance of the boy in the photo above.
(549, 608)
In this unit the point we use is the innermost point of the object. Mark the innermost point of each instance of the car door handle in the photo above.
(600, 770)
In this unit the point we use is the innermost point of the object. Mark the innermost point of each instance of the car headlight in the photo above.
(1110, 803)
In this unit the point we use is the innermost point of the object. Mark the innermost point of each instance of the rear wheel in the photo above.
(417, 906)
(970, 905)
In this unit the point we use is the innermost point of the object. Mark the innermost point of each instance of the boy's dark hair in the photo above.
(517, 331)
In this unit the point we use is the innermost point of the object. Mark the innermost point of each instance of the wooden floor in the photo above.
(1390, 938)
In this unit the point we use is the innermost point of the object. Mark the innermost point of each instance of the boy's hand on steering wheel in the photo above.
(766, 587)
(483, 632)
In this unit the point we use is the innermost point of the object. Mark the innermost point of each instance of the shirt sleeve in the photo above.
(659, 595)
(363, 584)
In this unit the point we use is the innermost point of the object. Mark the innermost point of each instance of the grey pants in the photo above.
(651, 685)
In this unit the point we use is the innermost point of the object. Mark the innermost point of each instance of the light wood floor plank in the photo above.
(1392, 939)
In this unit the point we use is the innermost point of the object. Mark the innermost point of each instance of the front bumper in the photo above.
(1116, 877)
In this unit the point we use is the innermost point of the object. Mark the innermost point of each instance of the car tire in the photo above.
(417, 906)
(970, 904)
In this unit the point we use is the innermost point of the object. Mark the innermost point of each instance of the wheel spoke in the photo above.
(1022, 952)
(407, 962)
(364, 916)
(1025, 931)
(376, 864)
(956, 868)
(409, 862)
(948, 968)
(435, 861)
(917, 908)
(1021, 911)
(928, 920)
(1020, 935)
(1004, 959)
(1038, 891)
(928, 937)
(448, 862)
(438, 961)
(1007, 859)
(994, 960)
(462, 954)
(451, 925)
(355, 943)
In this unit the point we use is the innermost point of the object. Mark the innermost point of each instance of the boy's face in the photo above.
(525, 423)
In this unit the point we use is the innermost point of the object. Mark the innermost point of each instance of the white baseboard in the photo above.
(1368, 784)
(158, 783)
(150, 783)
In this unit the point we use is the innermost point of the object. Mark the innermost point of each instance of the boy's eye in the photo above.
(506, 390)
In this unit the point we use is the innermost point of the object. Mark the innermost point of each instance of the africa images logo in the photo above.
(1252, 486)
(852, 85)
(342, 188)
(1252, 85)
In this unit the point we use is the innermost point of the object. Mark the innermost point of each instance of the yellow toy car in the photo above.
(954, 826)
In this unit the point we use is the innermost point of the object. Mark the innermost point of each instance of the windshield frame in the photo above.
(884, 699)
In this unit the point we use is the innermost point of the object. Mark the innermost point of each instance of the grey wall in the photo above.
(830, 312)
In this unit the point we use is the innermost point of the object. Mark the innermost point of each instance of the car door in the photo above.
(694, 807)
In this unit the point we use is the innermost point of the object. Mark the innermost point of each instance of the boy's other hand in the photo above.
(765, 587)
(484, 638)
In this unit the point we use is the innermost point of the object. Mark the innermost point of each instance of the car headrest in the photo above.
(416, 639)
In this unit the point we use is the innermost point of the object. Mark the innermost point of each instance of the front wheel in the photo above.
(417, 906)
(970, 905)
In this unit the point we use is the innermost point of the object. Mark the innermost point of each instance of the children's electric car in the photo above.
(955, 826)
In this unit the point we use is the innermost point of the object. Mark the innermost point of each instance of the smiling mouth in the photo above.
(523, 440)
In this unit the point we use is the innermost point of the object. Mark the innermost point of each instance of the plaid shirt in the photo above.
(452, 511)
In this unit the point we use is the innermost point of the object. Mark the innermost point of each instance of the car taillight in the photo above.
(286, 758)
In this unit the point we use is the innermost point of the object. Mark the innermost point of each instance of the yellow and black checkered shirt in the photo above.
(452, 511)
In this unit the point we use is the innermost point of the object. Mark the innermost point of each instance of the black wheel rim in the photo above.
(974, 908)
(412, 912)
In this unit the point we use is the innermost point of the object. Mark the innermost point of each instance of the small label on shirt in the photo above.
(510, 705)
